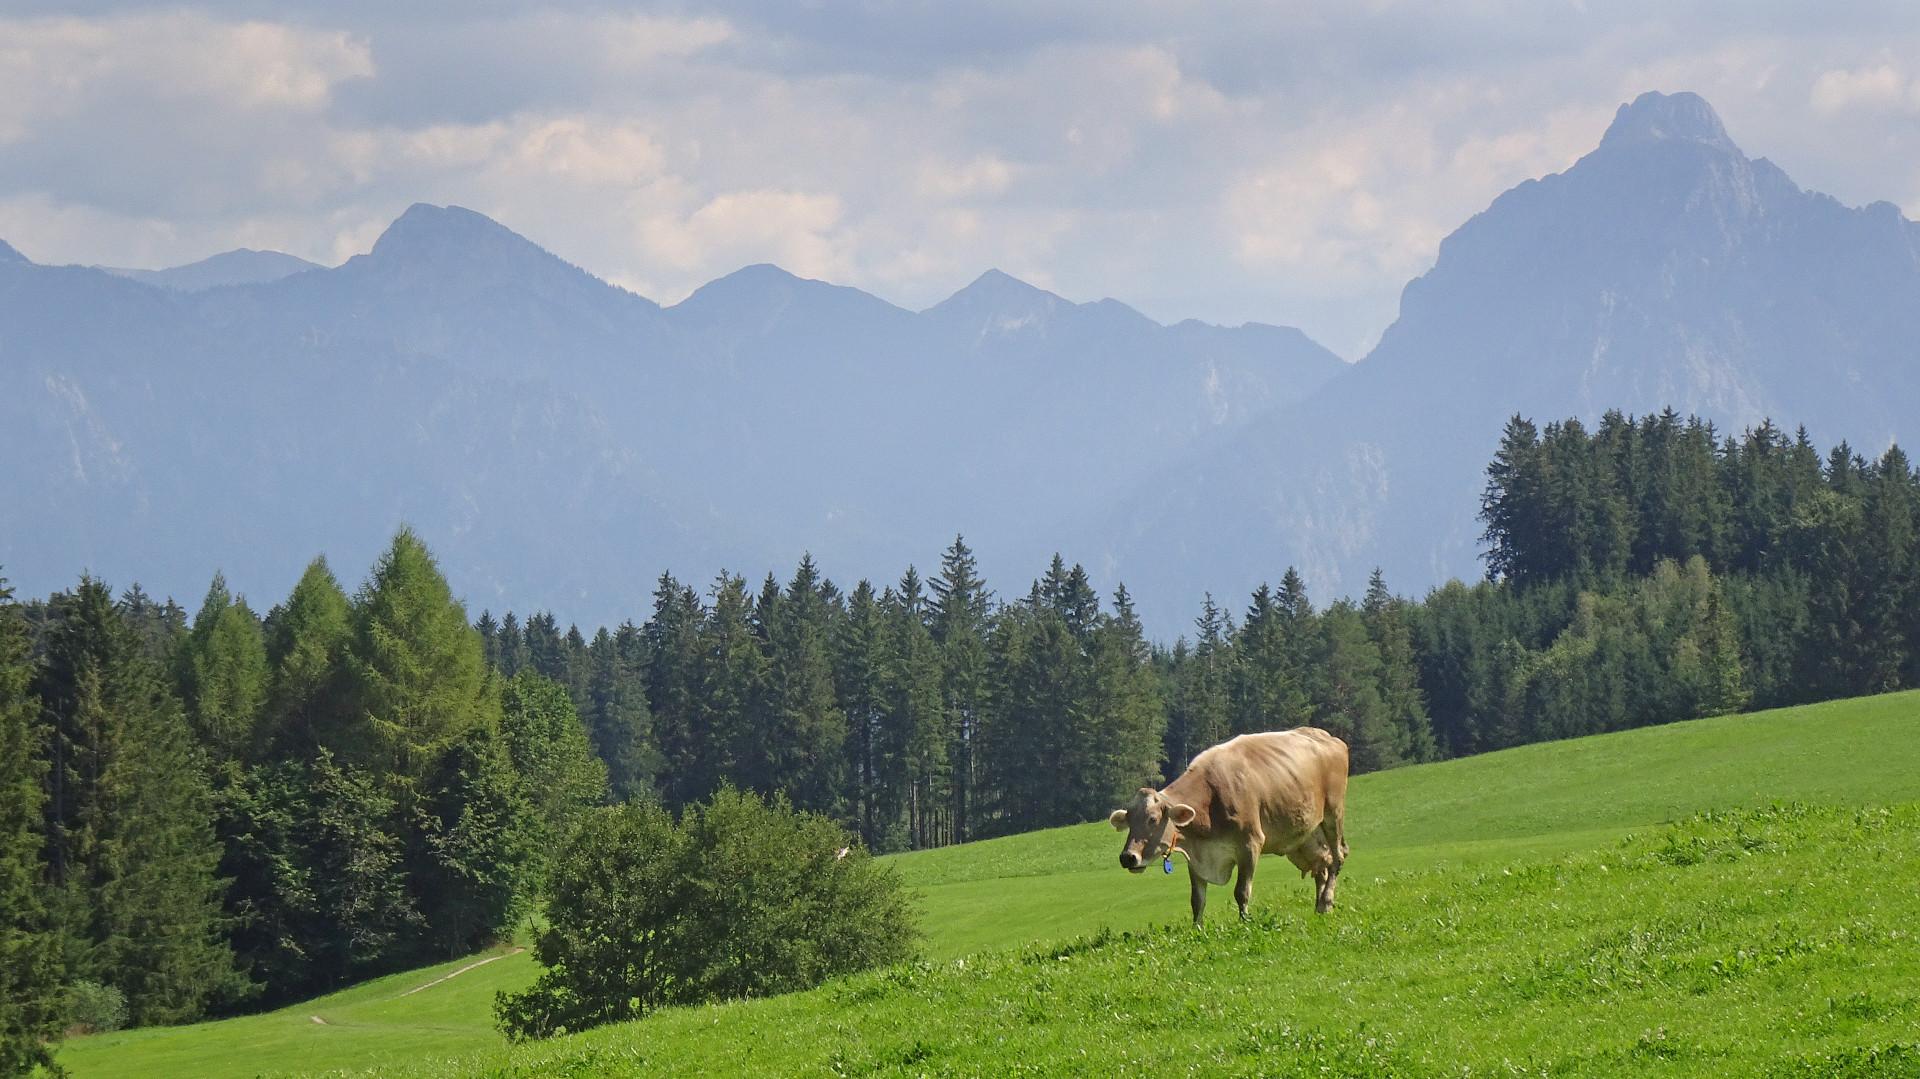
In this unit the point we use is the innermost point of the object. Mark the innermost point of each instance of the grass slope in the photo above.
(1529, 804)
(1776, 942)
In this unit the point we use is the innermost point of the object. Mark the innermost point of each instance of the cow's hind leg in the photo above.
(1199, 894)
(1243, 881)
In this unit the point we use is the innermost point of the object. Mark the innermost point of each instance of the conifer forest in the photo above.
(208, 813)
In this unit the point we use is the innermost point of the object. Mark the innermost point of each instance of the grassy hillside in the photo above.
(1416, 833)
(1778, 942)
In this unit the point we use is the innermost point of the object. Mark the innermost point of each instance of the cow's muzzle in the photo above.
(1131, 861)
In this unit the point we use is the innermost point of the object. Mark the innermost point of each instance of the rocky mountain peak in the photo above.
(1654, 117)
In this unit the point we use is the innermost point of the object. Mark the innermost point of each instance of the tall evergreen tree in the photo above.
(419, 675)
(1399, 682)
(799, 744)
(959, 611)
(226, 683)
(548, 747)
(308, 700)
(619, 723)
(132, 850)
(675, 635)
(32, 974)
(914, 734)
(860, 666)
(1201, 713)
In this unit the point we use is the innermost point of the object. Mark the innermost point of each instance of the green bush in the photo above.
(741, 898)
(99, 1009)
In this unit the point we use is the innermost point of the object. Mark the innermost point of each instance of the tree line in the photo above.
(1651, 570)
(232, 810)
(236, 811)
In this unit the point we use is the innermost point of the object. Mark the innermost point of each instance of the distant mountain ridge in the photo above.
(1663, 269)
(559, 441)
(244, 266)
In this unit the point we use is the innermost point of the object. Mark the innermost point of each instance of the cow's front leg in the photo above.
(1199, 894)
(1325, 880)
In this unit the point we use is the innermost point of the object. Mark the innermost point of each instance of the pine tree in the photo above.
(860, 664)
(728, 669)
(416, 663)
(959, 611)
(1201, 715)
(1127, 718)
(548, 747)
(916, 771)
(800, 738)
(1399, 681)
(132, 852)
(674, 637)
(1344, 682)
(1265, 689)
(32, 974)
(308, 702)
(226, 687)
(477, 859)
(620, 725)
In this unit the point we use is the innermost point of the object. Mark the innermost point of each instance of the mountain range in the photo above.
(560, 442)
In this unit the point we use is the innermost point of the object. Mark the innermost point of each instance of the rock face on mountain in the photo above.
(1664, 269)
(561, 442)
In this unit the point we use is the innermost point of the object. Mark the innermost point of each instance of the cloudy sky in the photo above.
(1282, 162)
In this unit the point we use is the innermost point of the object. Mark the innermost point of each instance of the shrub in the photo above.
(98, 1009)
(742, 898)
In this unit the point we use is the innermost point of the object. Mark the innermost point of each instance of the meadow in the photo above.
(1553, 909)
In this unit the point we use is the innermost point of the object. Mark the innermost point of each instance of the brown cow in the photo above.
(1282, 792)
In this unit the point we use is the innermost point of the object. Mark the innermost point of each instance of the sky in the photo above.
(1291, 163)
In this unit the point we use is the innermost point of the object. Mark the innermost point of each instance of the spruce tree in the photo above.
(308, 699)
(1266, 688)
(549, 749)
(132, 850)
(1399, 680)
(800, 733)
(619, 723)
(1126, 717)
(475, 872)
(227, 679)
(1201, 715)
(917, 771)
(32, 974)
(959, 611)
(674, 636)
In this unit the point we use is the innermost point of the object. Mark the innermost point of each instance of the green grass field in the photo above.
(1494, 920)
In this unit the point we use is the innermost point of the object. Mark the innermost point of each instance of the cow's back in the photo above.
(1290, 779)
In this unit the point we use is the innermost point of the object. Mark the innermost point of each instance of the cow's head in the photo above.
(1152, 823)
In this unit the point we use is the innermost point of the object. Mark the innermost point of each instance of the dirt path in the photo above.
(459, 972)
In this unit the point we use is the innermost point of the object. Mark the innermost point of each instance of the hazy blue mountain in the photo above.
(1664, 269)
(560, 442)
(242, 267)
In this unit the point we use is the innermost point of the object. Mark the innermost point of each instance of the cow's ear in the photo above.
(1181, 815)
(1118, 818)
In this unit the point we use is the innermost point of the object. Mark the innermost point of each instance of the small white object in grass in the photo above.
(318, 1020)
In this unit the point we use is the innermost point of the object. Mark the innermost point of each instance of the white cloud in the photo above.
(53, 67)
(1291, 163)
(1881, 86)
